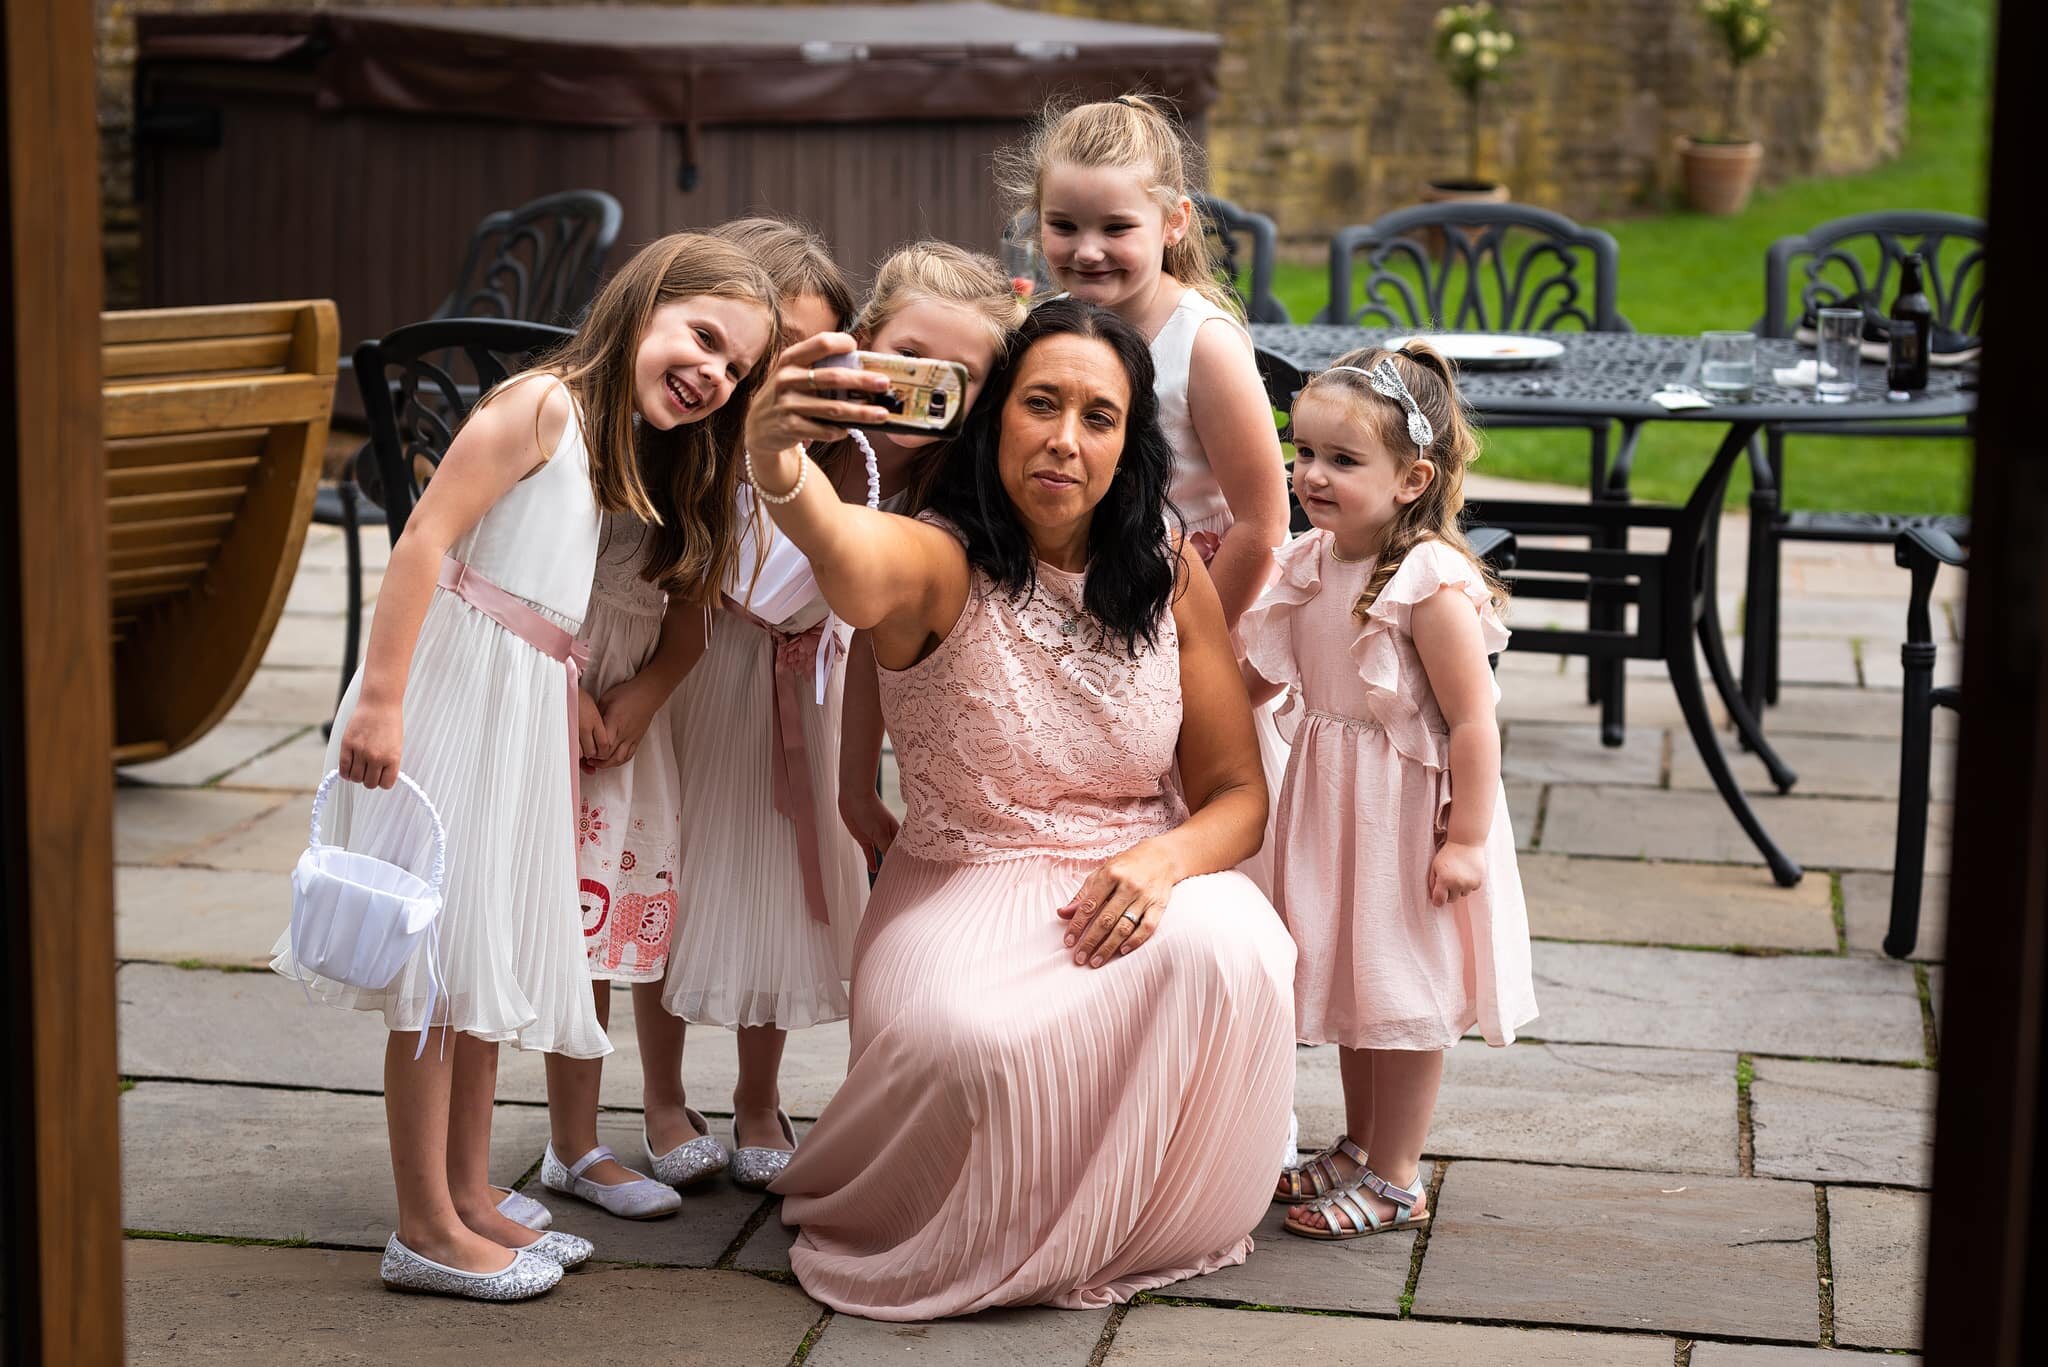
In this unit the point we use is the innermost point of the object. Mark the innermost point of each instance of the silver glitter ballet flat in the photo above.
(643, 1198)
(566, 1251)
(522, 1209)
(527, 1277)
(754, 1168)
(691, 1161)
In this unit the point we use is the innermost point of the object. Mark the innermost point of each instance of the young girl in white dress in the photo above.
(631, 834)
(465, 687)
(764, 933)
(1107, 185)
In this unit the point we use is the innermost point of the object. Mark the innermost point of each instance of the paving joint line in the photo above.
(1542, 817)
(1824, 1266)
(1838, 910)
(1930, 1031)
(1745, 1115)
(1681, 1354)
(248, 760)
(747, 1230)
(810, 1339)
(1420, 1248)
(1108, 1335)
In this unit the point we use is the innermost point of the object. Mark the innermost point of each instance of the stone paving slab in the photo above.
(1587, 1105)
(1867, 914)
(1882, 667)
(301, 696)
(1768, 1355)
(1935, 978)
(1802, 710)
(311, 642)
(1550, 695)
(713, 1214)
(1810, 660)
(1568, 752)
(767, 1250)
(1171, 1336)
(1878, 1246)
(209, 915)
(168, 825)
(259, 1028)
(210, 1303)
(272, 843)
(1800, 1005)
(1638, 902)
(1843, 1122)
(1013, 1337)
(261, 1163)
(1310, 1274)
(1679, 1253)
(226, 747)
(1645, 823)
(1828, 766)
(299, 764)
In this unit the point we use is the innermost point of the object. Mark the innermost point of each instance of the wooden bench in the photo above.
(215, 421)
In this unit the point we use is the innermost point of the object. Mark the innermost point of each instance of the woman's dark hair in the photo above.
(1132, 569)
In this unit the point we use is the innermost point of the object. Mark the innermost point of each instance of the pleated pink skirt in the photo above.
(1015, 1129)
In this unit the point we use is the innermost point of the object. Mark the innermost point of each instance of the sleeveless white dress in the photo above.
(1200, 499)
(746, 949)
(487, 737)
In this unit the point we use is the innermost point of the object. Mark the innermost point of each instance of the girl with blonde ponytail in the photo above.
(1395, 865)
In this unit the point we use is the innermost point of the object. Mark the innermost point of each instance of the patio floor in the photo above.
(1713, 1147)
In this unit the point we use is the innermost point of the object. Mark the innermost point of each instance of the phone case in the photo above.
(927, 397)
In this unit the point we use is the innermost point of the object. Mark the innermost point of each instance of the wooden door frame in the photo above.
(60, 1216)
(1987, 1282)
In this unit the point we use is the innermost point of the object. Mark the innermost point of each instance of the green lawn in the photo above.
(1683, 272)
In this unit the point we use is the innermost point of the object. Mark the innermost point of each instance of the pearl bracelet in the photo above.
(777, 500)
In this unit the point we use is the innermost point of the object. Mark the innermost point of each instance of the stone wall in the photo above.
(1332, 111)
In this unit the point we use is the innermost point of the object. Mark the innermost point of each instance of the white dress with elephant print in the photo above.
(628, 832)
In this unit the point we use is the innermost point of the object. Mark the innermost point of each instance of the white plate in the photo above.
(1487, 350)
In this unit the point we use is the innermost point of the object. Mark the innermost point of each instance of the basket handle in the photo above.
(434, 879)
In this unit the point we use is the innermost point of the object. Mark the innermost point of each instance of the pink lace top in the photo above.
(1023, 735)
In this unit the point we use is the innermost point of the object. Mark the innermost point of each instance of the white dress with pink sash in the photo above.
(487, 737)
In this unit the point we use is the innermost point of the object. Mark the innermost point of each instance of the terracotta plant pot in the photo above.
(1719, 175)
(1457, 192)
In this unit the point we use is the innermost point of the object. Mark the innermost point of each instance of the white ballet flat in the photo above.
(566, 1251)
(691, 1161)
(522, 1209)
(527, 1276)
(643, 1198)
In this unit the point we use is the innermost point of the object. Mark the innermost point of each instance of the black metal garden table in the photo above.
(1612, 375)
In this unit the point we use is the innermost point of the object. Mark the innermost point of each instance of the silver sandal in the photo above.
(1364, 1221)
(1321, 1174)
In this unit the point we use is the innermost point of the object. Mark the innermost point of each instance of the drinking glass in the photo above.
(1728, 363)
(1839, 354)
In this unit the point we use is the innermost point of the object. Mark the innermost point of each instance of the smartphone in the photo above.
(925, 398)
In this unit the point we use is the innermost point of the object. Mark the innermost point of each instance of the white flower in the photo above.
(1485, 41)
(1506, 43)
(1751, 27)
(1444, 16)
(1488, 60)
(1462, 44)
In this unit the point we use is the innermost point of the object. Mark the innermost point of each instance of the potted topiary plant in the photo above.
(1472, 47)
(1720, 171)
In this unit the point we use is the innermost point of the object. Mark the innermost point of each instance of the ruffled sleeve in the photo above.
(1265, 631)
(1385, 648)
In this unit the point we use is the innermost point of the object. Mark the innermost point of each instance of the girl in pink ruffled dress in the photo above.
(1395, 862)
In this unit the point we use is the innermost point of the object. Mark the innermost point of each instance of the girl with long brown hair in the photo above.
(470, 660)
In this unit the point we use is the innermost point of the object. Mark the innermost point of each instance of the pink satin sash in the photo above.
(790, 764)
(518, 616)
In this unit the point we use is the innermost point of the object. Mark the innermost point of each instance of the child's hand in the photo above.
(628, 710)
(1457, 871)
(593, 737)
(370, 746)
(870, 821)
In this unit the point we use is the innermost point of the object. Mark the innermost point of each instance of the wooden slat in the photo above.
(134, 453)
(128, 326)
(138, 751)
(199, 405)
(146, 593)
(181, 503)
(212, 474)
(174, 571)
(127, 557)
(211, 356)
(164, 531)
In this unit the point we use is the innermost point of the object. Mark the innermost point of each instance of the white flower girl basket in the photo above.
(358, 919)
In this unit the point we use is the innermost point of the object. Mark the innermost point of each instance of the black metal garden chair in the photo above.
(1923, 550)
(1850, 263)
(1479, 267)
(540, 262)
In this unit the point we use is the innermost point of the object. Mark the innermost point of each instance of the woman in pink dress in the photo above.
(1072, 1031)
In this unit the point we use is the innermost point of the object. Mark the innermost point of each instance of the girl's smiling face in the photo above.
(693, 355)
(1349, 482)
(941, 331)
(1103, 232)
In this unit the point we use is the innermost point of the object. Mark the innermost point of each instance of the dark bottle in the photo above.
(1912, 327)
